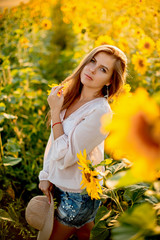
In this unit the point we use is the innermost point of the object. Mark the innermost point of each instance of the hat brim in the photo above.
(45, 233)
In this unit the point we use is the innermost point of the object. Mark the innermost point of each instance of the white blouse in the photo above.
(81, 131)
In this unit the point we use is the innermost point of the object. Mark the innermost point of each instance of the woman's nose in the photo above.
(92, 69)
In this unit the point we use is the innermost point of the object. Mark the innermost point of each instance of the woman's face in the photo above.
(98, 71)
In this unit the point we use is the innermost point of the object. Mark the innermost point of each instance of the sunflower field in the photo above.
(41, 43)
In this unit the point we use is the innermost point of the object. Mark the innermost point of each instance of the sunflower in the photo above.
(80, 25)
(90, 179)
(123, 45)
(146, 45)
(121, 22)
(137, 32)
(46, 24)
(135, 133)
(83, 159)
(104, 39)
(140, 63)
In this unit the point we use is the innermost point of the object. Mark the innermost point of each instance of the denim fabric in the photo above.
(75, 209)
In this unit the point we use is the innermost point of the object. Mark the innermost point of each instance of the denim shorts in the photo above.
(75, 209)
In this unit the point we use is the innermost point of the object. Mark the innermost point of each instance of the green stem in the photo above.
(9, 75)
(117, 201)
(4, 77)
(1, 149)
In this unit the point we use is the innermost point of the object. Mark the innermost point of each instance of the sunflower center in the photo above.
(141, 63)
(88, 177)
(144, 136)
(147, 45)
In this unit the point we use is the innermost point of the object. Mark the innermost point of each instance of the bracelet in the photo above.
(56, 123)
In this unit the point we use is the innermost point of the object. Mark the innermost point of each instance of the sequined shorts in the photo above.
(75, 209)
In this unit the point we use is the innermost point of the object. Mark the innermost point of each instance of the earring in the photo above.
(107, 95)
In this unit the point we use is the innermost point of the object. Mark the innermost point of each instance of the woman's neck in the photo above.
(88, 95)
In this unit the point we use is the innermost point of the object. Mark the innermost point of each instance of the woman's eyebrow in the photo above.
(101, 64)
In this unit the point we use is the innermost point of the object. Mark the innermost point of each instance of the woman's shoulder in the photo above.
(97, 107)
(101, 104)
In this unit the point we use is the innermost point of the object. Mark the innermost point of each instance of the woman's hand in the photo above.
(46, 187)
(56, 102)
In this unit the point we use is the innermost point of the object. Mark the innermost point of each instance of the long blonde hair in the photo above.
(117, 80)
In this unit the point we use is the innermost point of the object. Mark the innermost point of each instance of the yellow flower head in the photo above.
(125, 90)
(146, 45)
(123, 45)
(135, 132)
(80, 25)
(24, 42)
(65, 86)
(122, 21)
(104, 39)
(138, 32)
(46, 24)
(90, 180)
(140, 63)
(83, 160)
(39, 92)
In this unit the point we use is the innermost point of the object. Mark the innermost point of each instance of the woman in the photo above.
(75, 126)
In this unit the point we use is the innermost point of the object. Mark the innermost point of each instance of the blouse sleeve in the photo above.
(43, 175)
(86, 135)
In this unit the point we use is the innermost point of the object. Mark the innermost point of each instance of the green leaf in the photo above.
(12, 145)
(116, 168)
(1, 194)
(134, 193)
(151, 199)
(10, 161)
(5, 216)
(102, 211)
(99, 231)
(128, 179)
(142, 216)
(105, 162)
(31, 186)
(9, 116)
(138, 222)
(1, 117)
(124, 232)
(107, 193)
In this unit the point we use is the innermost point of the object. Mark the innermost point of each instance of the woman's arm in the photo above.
(55, 102)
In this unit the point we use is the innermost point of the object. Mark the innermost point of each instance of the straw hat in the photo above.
(40, 214)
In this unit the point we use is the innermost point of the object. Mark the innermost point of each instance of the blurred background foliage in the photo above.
(41, 43)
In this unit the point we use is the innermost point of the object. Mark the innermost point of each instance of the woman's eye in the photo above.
(103, 70)
(92, 60)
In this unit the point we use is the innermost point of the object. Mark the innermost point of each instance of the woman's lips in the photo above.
(88, 76)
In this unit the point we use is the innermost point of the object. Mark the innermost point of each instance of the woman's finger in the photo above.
(47, 193)
(48, 196)
(50, 187)
(56, 90)
(53, 89)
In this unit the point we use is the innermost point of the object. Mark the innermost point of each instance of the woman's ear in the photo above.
(108, 84)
